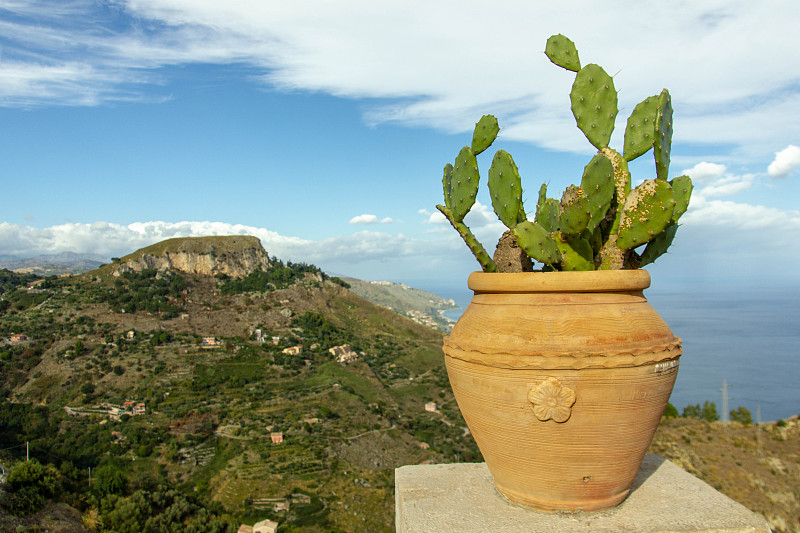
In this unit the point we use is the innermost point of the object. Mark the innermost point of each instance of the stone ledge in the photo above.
(664, 499)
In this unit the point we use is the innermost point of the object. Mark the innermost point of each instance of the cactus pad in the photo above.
(537, 242)
(641, 130)
(594, 104)
(574, 214)
(563, 53)
(542, 197)
(598, 184)
(622, 175)
(659, 245)
(484, 134)
(576, 254)
(610, 256)
(663, 138)
(447, 180)
(505, 188)
(549, 214)
(681, 192)
(464, 184)
(647, 211)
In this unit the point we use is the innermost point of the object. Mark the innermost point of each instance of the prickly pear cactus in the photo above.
(599, 224)
(594, 104)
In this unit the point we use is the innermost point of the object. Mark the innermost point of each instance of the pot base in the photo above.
(553, 506)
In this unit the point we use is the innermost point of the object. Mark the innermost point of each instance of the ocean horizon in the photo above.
(748, 337)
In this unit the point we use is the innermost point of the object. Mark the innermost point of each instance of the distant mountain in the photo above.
(231, 255)
(53, 264)
(421, 306)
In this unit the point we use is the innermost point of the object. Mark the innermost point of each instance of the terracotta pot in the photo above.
(562, 379)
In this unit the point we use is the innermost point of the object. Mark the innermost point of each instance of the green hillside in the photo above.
(214, 394)
(421, 306)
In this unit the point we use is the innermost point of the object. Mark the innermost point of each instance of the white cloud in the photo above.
(712, 179)
(704, 173)
(386, 220)
(364, 219)
(435, 217)
(110, 239)
(786, 161)
(740, 215)
(85, 53)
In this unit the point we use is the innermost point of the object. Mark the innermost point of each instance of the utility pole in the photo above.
(725, 414)
(758, 430)
(90, 477)
(27, 451)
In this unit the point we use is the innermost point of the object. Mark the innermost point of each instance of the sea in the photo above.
(745, 337)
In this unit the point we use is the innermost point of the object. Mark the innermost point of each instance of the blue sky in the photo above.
(322, 127)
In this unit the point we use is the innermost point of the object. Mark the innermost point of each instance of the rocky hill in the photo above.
(234, 255)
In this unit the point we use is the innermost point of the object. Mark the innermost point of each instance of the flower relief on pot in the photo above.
(552, 401)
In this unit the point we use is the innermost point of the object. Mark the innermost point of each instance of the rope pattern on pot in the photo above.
(554, 361)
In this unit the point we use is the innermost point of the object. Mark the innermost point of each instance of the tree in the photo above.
(691, 411)
(30, 485)
(109, 479)
(670, 411)
(741, 415)
(709, 412)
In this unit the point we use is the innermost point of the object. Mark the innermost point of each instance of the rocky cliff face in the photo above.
(235, 255)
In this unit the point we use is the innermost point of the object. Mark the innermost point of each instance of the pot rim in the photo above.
(588, 281)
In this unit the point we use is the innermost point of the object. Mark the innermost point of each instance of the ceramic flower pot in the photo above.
(562, 379)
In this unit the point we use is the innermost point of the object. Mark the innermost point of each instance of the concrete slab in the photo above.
(664, 499)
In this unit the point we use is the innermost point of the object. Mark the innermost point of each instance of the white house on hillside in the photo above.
(265, 526)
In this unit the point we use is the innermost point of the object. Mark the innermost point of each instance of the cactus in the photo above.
(506, 188)
(598, 224)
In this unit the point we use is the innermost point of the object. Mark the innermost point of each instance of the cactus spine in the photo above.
(601, 223)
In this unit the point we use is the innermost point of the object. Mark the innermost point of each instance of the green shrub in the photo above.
(30, 484)
(741, 415)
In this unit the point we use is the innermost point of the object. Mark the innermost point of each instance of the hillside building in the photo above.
(17, 337)
(209, 342)
(293, 350)
(344, 354)
(265, 526)
(430, 407)
(277, 437)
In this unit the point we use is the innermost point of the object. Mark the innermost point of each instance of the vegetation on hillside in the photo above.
(277, 276)
(11, 280)
(148, 290)
(204, 440)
